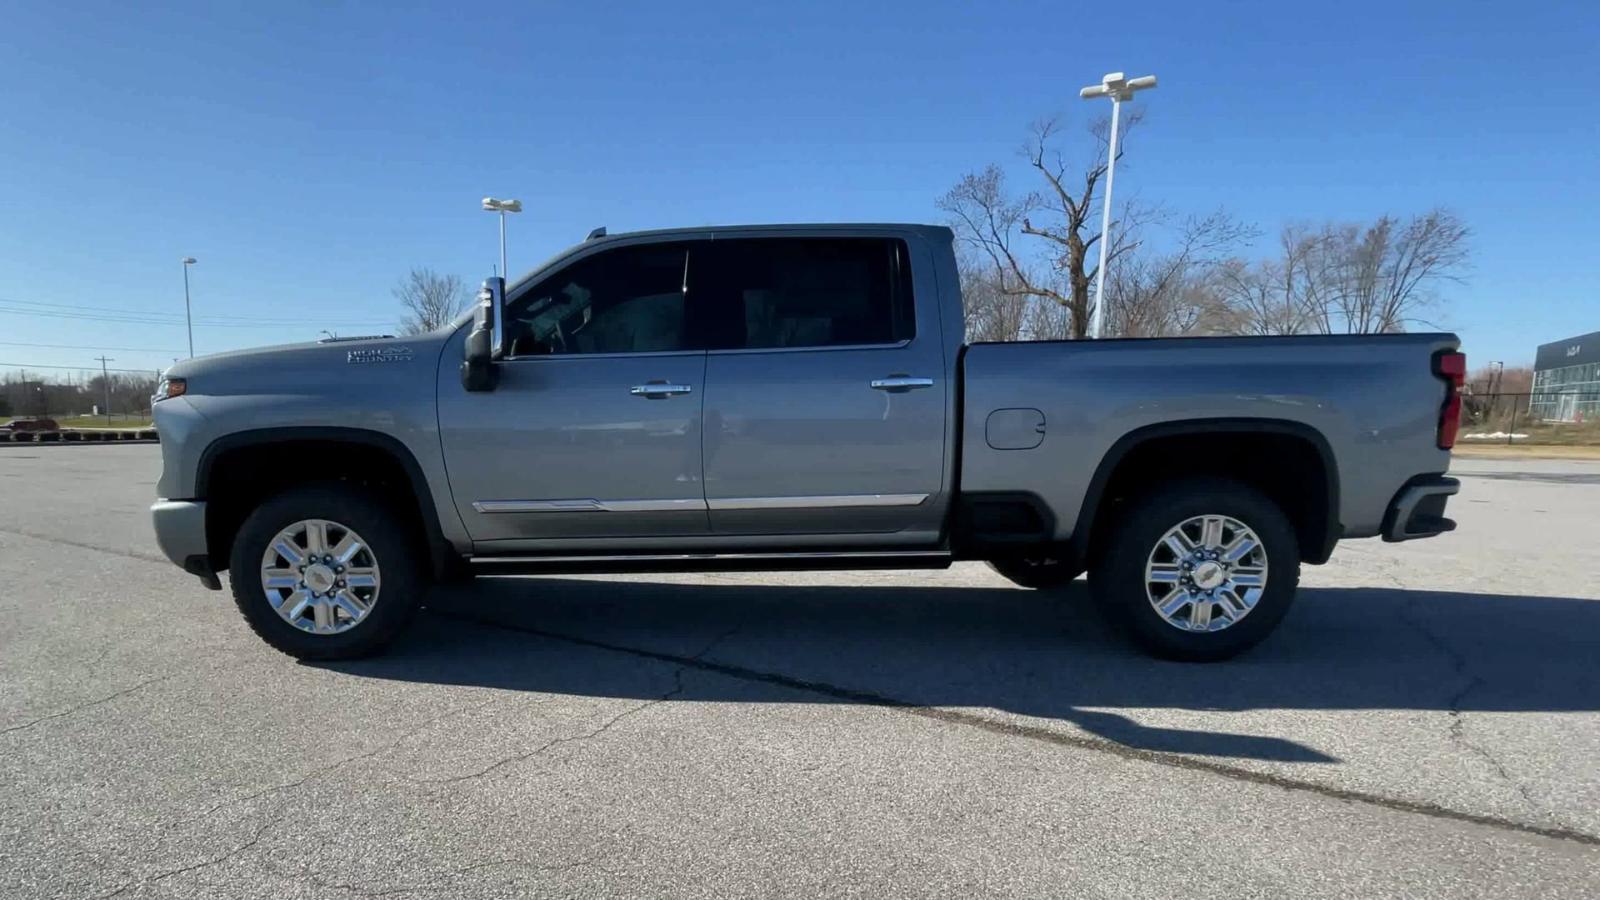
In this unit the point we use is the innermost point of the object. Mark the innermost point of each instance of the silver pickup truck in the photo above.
(791, 397)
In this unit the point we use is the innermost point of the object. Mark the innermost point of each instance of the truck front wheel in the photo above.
(1198, 570)
(326, 573)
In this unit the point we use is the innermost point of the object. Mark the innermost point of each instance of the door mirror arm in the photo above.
(479, 371)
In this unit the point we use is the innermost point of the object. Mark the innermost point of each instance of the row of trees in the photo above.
(28, 394)
(1030, 259)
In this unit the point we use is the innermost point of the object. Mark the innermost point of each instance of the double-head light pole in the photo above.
(1119, 88)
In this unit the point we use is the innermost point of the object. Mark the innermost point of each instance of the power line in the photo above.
(83, 347)
(71, 368)
(155, 319)
(118, 310)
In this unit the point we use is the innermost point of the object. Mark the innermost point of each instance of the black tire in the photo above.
(1038, 573)
(1117, 578)
(390, 542)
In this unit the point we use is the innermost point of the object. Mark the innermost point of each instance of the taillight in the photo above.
(1452, 367)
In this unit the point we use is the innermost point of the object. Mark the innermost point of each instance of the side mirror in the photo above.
(478, 370)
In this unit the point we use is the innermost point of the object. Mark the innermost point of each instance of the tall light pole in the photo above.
(188, 318)
(1119, 88)
(502, 207)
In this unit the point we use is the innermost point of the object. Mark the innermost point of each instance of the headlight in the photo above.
(169, 388)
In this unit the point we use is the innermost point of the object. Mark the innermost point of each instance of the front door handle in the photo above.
(900, 383)
(660, 390)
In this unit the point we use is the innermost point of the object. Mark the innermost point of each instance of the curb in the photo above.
(81, 436)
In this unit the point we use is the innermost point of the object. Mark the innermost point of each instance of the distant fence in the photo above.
(1553, 417)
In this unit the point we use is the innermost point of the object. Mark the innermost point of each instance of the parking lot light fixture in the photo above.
(491, 204)
(187, 317)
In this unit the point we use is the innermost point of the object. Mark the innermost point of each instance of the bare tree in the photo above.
(429, 300)
(1390, 269)
(1049, 321)
(1179, 292)
(1283, 295)
(1492, 379)
(991, 314)
(1357, 279)
(987, 219)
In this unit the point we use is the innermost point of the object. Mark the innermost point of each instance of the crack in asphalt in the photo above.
(677, 689)
(552, 743)
(1042, 734)
(86, 705)
(437, 880)
(255, 839)
(1409, 613)
(328, 769)
(1458, 722)
(82, 545)
(278, 788)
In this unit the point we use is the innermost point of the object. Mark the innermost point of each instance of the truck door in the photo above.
(594, 429)
(826, 391)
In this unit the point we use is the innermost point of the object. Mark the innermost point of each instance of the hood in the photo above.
(325, 354)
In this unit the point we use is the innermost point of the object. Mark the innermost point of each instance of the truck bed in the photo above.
(1372, 401)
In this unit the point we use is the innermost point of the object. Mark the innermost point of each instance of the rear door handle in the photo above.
(660, 390)
(900, 383)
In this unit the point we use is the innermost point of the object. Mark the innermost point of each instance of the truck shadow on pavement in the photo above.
(1015, 651)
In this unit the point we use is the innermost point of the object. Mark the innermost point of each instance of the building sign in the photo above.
(1574, 351)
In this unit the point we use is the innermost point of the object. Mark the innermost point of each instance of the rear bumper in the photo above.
(181, 534)
(1417, 511)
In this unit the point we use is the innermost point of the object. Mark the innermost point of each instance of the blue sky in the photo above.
(309, 155)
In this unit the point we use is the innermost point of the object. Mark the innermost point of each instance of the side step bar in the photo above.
(709, 562)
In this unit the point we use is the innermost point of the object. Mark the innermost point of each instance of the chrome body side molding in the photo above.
(824, 501)
(490, 507)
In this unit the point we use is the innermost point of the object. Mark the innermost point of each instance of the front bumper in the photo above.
(1418, 510)
(181, 534)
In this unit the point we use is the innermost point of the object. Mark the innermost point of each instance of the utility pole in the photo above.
(105, 382)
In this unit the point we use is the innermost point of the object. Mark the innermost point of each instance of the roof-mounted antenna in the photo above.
(597, 233)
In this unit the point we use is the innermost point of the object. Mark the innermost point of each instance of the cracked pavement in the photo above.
(1426, 722)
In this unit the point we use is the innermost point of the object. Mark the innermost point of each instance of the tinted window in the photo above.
(806, 292)
(627, 300)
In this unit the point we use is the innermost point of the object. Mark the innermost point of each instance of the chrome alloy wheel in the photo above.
(1206, 573)
(320, 576)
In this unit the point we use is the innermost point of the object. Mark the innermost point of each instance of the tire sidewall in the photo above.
(390, 544)
(1118, 582)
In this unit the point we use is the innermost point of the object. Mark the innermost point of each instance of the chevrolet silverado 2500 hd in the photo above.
(790, 397)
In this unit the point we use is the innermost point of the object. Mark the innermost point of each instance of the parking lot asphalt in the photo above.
(1426, 722)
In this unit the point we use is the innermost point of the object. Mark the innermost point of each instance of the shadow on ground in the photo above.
(1012, 650)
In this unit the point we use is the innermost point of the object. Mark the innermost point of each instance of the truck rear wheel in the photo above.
(1037, 572)
(326, 573)
(1198, 570)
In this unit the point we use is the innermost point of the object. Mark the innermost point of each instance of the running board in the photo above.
(709, 562)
